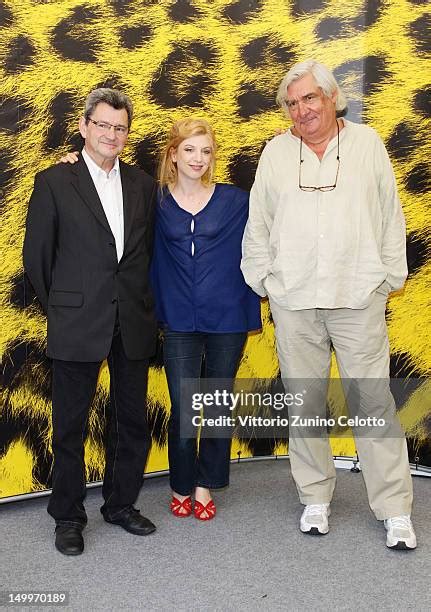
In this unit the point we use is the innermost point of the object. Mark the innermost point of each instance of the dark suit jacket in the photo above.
(70, 259)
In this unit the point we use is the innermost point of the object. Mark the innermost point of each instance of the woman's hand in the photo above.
(69, 158)
(277, 132)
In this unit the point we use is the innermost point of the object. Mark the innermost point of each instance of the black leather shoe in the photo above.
(131, 520)
(69, 540)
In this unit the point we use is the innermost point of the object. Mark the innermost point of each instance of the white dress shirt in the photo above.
(108, 186)
(325, 249)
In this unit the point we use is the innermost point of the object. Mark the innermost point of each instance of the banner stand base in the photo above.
(342, 463)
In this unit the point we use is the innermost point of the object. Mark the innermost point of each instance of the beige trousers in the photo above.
(360, 341)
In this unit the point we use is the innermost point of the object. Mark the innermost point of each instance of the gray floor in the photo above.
(251, 556)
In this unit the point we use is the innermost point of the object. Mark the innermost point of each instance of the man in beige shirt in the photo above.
(325, 241)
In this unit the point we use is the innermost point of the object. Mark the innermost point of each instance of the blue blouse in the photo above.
(197, 282)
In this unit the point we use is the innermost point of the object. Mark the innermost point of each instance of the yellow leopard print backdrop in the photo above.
(221, 59)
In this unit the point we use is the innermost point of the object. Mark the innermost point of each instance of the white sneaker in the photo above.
(314, 519)
(400, 534)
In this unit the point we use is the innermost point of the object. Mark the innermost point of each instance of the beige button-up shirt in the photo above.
(325, 249)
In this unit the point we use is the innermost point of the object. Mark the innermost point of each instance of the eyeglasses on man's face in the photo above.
(104, 126)
(323, 188)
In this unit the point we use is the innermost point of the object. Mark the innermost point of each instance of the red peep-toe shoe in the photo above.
(210, 509)
(183, 508)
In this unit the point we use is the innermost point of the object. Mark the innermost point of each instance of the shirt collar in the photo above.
(332, 144)
(95, 170)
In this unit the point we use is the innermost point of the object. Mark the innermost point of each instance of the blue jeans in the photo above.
(184, 354)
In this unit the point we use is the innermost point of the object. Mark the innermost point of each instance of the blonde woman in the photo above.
(203, 304)
(202, 301)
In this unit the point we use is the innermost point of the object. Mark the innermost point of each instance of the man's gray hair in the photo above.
(323, 77)
(113, 97)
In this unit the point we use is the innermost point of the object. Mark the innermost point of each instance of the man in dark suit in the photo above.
(86, 252)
